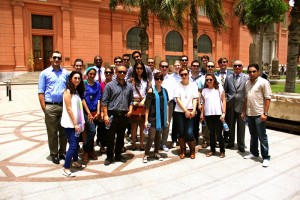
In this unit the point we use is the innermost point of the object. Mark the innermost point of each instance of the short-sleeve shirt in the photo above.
(92, 95)
(117, 97)
(256, 95)
(52, 83)
(150, 103)
(212, 101)
(186, 93)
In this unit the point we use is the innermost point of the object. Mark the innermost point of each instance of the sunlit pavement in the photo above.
(26, 171)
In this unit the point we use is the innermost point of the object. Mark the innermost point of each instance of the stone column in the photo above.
(66, 32)
(19, 53)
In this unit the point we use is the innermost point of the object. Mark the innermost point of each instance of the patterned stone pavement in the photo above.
(26, 171)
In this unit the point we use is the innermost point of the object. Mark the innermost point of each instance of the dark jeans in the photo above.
(117, 128)
(101, 134)
(73, 147)
(215, 128)
(257, 130)
(184, 126)
(196, 125)
(90, 128)
(174, 133)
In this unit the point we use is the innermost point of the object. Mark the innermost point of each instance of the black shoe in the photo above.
(108, 161)
(242, 150)
(229, 146)
(226, 139)
(120, 158)
(62, 156)
(55, 159)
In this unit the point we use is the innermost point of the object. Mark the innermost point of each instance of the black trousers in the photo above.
(116, 131)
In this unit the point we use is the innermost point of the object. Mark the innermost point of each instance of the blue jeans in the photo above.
(184, 126)
(90, 128)
(73, 147)
(257, 130)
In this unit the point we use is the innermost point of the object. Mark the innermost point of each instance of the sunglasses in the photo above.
(159, 79)
(252, 72)
(121, 72)
(164, 66)
(139, 68)
(108, 73)
(126, 59)
(98, 60)
(135, 57)
(56, 57)
(182, 75)
(78, 65)
(118, 61)
(208, 80)
(210, 66)
(195, 65)
(239, 65)
(184, 60)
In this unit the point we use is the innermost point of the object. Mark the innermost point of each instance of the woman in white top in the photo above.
(186, 96)
(140, 84)
(73, 119)
(213, 112)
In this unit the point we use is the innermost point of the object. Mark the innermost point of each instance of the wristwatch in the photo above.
(265, 113)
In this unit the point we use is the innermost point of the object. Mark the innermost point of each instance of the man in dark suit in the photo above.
(222, 74)
(235, 94)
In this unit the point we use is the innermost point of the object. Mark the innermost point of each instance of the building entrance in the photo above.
(42, 50)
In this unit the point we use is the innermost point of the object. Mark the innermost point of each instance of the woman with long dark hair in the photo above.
(157, 115)
(186, 95)
(213, 112)
(72, 119)
(140, 83)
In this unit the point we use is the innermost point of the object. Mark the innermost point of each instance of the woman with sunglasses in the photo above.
(157, 115)
(213, 112)
(72, 119)
(91, 103)
(140, 83)
(101, 131)
(186, 96)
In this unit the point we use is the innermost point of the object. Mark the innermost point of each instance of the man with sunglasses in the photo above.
(223, 72)
(255, 111)
(151, 64)
(184, 61)
(117, 102)
(137, 56)
(51, 86)
(126, 60)
(235, 95)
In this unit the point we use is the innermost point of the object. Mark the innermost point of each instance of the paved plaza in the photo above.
(27, 172)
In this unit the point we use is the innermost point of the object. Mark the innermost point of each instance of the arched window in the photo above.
(204, 44)
(174, 42)
(133, 39)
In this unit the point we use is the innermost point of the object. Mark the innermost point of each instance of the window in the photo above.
(133, 39)
(201, 11)
(204, 44)
(174, 42)
(41, 22)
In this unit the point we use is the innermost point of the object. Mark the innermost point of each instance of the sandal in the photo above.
(68, 173)
(222, 154)
(210, 154)
(145, 159)
(78, 165)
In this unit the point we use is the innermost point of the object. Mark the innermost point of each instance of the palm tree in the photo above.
(167, 12)
(293, 48)
(257, 14)
(214, 12)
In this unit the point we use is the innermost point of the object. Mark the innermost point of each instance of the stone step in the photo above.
(29, 77)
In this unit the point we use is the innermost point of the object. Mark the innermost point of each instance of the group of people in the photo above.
(106, 101)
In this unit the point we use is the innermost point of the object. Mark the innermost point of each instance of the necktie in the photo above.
(99, 75)
(237, 79)
(222, 79)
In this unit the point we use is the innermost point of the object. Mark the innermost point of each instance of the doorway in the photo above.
(42, 50)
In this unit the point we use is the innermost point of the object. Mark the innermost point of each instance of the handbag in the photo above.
(138, 110)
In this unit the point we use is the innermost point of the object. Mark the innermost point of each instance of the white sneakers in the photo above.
(173, 144)
(165, 148)
(266, 163)
(250, 156)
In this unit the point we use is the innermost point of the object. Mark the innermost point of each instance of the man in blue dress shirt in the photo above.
(52, 84)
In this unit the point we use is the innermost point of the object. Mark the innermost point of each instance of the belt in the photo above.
(54, 103)
(117, 113)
